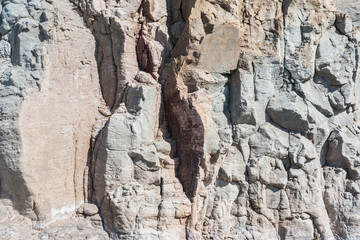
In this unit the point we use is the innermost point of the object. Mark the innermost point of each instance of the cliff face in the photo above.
(191, 119)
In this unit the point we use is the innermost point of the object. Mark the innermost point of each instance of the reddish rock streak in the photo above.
(143, 51)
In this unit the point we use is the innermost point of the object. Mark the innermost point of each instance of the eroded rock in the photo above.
(216, 119)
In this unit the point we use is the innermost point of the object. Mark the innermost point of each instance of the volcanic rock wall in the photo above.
(180, 119)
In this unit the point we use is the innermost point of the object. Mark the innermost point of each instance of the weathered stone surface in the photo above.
(17, 227)
(344, 149)
(298, 228)
(49, 101)
(220, 48)
(289, 111)
(344, 23)
(351, 8)
(335, 58)
(189, 119)
(90, 209)
(342, 203)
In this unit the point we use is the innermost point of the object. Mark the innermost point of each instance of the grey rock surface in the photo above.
(191, 119)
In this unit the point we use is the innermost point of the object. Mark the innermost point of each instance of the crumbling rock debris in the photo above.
(191, 119)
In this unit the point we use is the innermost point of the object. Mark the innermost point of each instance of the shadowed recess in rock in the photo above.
(143, 50)
(188, 131)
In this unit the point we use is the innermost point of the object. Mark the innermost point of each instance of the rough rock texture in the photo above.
(169, 119)
(49, 102)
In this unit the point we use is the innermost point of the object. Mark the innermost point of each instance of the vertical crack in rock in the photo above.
(112, 91)
(188, 131)
(129, 150)
(176, 15)
(108, 69)
(143, 50)
(185, 122)
(250, 130)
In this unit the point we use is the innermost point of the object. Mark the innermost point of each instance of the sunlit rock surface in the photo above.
(179, 119)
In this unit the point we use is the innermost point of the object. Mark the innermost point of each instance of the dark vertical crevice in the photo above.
(357, 59)
(88, 178)
(177, 112)
(285, 6)
(95, 142)
(188, 131)
(144, 55)
(114, 101)
(185, 124)
(107, 68)
(176, 14)
(286, 74)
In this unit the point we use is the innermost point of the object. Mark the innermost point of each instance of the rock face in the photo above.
(191, 119)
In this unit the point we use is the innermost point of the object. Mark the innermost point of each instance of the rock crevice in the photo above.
(191, 119)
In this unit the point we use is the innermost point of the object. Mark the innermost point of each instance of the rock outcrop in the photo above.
(180, 119)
